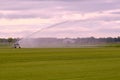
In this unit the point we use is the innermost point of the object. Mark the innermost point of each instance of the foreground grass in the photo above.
(60, 64)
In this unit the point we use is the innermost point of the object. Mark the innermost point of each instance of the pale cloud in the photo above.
(30, 21)
(97, 18)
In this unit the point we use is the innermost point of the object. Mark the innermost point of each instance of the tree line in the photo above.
(77, 40)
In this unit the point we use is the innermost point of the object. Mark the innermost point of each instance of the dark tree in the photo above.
(10, 40)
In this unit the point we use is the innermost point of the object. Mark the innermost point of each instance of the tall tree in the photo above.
(10, 40)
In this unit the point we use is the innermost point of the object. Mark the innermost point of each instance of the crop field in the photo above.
(60, 64)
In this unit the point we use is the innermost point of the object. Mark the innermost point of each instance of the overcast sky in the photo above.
(98, 18)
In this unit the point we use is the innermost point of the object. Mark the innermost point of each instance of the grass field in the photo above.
(60, 64)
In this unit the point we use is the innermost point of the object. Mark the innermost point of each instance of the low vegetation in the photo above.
(60, 64)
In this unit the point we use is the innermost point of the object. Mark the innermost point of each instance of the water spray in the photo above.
(48, 27)
(20, 42)
(31, 42)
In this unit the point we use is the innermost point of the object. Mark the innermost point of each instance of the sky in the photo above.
(98, 18)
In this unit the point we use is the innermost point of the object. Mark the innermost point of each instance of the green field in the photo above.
(60, 64)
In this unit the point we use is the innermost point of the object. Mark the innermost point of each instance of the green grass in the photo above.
(60, 64)
(113, 45)
(5, 45)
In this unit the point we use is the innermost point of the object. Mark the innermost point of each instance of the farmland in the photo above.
(60, 64)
